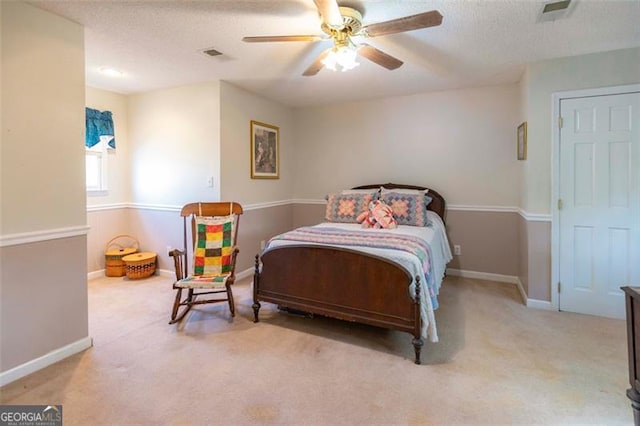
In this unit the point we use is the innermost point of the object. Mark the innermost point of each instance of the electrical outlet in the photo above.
(210, 182)
(169, 248)
(457, 250)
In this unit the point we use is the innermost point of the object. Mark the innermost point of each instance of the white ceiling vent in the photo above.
(555, 10)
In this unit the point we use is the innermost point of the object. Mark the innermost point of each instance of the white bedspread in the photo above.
(435, 236)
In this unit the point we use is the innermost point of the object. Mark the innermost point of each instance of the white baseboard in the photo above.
(100, 274)
(244, 274)
(166, 273)
(52, 357)
(540, 304)
(95, 274)
(511, 279)
(530, 303)
(534, 303)
(523, 294)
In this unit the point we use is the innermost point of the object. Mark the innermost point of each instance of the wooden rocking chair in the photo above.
(214, 231)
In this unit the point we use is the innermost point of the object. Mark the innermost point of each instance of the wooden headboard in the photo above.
(437, 205)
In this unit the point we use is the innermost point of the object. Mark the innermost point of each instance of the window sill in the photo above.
(97, 193)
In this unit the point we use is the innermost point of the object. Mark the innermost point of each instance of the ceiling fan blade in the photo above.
(317, 65)
(408, 23)
(262, 39)
(379, 57)
(330, 12)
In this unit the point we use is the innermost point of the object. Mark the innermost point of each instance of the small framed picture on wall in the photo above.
(265, 151)
(522, 141)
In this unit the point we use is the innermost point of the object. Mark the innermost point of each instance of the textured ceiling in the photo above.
(157, 44)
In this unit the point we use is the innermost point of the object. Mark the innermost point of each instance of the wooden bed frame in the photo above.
(337, 282)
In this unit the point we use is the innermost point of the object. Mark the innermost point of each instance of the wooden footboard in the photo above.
(339, 283)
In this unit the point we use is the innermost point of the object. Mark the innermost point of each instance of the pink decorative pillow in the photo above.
(408, 209)
(346, 207)
(379, 215)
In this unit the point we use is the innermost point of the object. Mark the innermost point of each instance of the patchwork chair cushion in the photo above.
(204, 281)
(212, 253)
(214, 246)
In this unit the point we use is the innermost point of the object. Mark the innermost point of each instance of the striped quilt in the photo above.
(378, 240)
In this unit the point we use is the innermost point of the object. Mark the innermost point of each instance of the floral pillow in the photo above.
(346, 207)
(408, 209)
(379, 215)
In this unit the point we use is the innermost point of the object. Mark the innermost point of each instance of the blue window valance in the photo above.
(98, 123)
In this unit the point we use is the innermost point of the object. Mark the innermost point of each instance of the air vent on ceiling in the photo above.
(211, 52)
(555, 6)
(556, 10)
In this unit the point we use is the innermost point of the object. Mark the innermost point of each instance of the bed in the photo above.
(325, 270)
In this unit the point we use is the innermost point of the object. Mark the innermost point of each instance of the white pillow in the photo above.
(359, 191)
(384, 190)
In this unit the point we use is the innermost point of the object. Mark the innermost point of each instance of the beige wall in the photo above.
(156, 229)
(104, 225)
(259, 225)
(237, 108)
(43, 294)
(489, 241)
(308, 214)
(613, 68)
(459, 142)
(174, 137)
(523, 253)
(43, 298)
(166, 141)
(43, 121)
(538, 260)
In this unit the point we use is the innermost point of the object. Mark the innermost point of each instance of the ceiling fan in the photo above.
(340, 24)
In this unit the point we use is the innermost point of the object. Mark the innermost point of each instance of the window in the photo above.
(96, 160)
(99, 139)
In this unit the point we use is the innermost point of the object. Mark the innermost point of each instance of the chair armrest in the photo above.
(234, 255)
(178, 258)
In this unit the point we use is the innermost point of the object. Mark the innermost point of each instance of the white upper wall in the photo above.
(174, 137)
(118, 165)
(613, 68)
(461, 143)
(238, 108)
(43, 95)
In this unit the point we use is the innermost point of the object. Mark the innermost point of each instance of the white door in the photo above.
(599, 216)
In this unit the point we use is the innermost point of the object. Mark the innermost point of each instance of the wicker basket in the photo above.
(115, 251)
(139, 265)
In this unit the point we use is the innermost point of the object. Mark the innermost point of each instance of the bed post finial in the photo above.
(417, 332)
(256, 280)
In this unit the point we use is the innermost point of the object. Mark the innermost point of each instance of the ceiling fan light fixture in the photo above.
(341, 58)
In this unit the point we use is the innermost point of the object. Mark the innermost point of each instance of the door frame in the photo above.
(556, 98)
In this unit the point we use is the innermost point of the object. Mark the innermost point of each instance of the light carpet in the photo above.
(497, 362)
